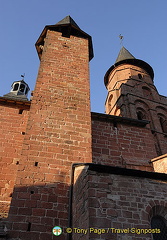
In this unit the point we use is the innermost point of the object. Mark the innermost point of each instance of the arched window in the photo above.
(163, 123)
(142, 110)
(141, 114)
(109, 101)
(158, 222)
(140, 76)
(117, 111)
(16, 86)
(109, 104)
(147, 93)
(22, 87)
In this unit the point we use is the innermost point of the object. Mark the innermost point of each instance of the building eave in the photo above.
(123, 171)
(117, 119)
(6, 101)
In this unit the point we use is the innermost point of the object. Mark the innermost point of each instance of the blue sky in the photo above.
(142, 23)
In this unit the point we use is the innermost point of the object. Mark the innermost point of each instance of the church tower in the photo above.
(132, 94)
(58, 132)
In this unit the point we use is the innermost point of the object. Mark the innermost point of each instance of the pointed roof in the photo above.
(66, 21)
(124, 54)
(125, 57)
(67, 26)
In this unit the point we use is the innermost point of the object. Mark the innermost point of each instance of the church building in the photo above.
(91, 175)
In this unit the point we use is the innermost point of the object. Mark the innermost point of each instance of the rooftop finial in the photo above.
(23, 75)
(121, 39)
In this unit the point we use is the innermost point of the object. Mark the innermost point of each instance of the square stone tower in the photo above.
(58, 132)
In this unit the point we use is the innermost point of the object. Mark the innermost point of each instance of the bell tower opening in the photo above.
(19, 90)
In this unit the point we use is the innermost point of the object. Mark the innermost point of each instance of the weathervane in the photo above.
(121, 39)
(23, 75)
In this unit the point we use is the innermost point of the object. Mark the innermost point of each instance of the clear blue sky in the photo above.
(141, 22)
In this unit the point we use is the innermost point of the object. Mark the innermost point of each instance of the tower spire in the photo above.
(67, 26)
(123, 55)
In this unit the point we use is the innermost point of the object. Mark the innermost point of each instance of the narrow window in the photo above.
(22, 87)
(163, 124)
(20, 111)
(29, 227)
(140, 115)
(26, 91)
(36, 164)
(16, 86)
(109, 102)
(140, 76)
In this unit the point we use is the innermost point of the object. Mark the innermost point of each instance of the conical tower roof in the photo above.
(67, 26)
(124, 54)
(125, 57)
(68, 21)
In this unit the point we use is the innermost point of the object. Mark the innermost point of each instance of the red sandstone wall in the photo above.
(80, 206)
(118, 202)
(58, 134)
(160, 164)
(125, 145)
(12, 130)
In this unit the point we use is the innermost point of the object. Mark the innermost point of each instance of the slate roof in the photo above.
(66, 21)
(68, 27)
(125, 57)
(13, 96)
(124, 54)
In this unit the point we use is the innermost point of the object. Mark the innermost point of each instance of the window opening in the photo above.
(29, 227)
(158, 222)
(22, 87)
(26, 91)
(147, 93)
(20, 111)
(16, 86)
(140, 76)
(140, 115)
(163, 123)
